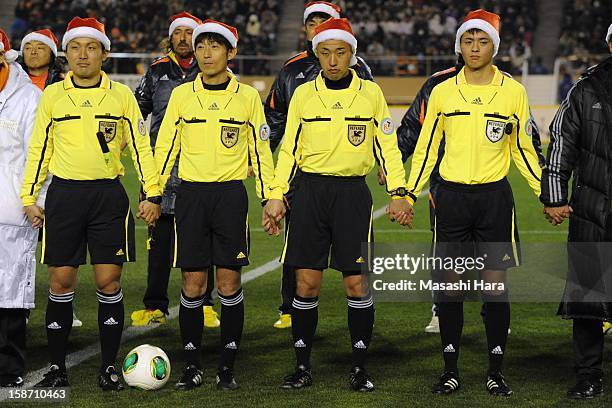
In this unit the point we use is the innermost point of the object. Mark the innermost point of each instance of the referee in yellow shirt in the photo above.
(484, 119)
(336, 125)
(215, 123)
(77, 136)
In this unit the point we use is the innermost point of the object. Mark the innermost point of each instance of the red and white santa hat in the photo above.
(5, 45)
(86, 27)
(183, 19)
(336, 29)
(330, 9)
(482, 20)
(211, 26)
(609, 34)
(44, 36)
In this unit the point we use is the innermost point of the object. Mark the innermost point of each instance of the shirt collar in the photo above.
(320, 81)
(498, 77)
(105, 84)
(233, 86)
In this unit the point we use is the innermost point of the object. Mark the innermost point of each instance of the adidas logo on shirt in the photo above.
(190, 346)
(337, 106)
(111, 322)
(231, 346)
(497, 350)
(477, 101)
(213, 106)
(86, 104)
(54, 326)
(449, 349)
(300, 76)
(300, 344)
(360, 345)
(164, 78)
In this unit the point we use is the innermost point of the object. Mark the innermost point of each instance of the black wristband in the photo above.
(155, 200)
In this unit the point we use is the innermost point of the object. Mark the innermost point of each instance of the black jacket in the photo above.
(153, 94)
(299, 69)
(410, 128)
(581, 145)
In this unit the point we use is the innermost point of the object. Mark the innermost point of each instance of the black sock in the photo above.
(58, 320)
(360, 322)
(450, 315)
(304, 319)
(232, 322)
(191, 322)
(110, 325)
(497, 321)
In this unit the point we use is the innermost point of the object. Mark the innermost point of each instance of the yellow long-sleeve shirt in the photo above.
(78, 134)
(215, 131)
(338, 133)
(482, 127)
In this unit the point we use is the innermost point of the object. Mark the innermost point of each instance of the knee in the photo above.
(356, 289)
(307, 289)
(194, 284)
(227, 287)
(61, 288)
(495, 296)
(109, 287)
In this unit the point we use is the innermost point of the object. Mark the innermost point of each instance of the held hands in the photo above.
(401, 211)
(149, 212)
(556, 215)
(35, 215)
(273, 213)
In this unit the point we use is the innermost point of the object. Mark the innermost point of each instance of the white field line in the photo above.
(77, 357)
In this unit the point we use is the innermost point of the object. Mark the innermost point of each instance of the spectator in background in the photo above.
(538, 68)
(566, 83)
(253, 27)
(519, 53)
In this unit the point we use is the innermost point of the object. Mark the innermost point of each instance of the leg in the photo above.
(191, 319)
(110, 311)
(450, 314)
(288, 284)
(360, 316)
(588, 340)
(58, 318)
(232, 314)
(305, 313)
(210, 286)
(159, 263)
(12, 346)
(496, 318)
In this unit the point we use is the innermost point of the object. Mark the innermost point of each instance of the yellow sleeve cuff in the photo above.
(276, 194)
(154, 191)
(28, 200)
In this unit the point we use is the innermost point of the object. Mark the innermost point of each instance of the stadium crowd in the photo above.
(139, 26)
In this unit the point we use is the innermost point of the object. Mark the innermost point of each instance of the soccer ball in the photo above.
(146, 367)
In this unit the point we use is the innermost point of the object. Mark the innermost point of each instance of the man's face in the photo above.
(311, 24)
(477, 49)
(181, 41)
(36, 54)
(85, 57)
(212, 57)
(335, 57)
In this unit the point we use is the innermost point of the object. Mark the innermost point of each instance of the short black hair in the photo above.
(474, 31)
(218, 38)
(318, 14)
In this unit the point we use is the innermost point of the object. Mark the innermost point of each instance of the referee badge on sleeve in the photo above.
(108, 129)
(356, 134)
(229, 136)
(495, 130)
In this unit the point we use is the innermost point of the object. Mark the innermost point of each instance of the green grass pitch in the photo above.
(403, 360)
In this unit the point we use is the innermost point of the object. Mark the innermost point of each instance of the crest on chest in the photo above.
(495, 130)
(229, 136)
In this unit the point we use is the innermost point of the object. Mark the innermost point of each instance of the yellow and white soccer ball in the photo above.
(146, 367)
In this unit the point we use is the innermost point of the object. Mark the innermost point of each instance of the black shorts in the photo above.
(87, 214)
(211, 225)
(477, 221)
(329, 212)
